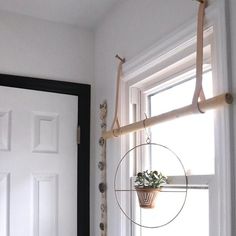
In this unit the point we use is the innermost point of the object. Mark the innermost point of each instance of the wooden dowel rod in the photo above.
(204, 106)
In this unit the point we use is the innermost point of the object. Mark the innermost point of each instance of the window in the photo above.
(192, 139)
(164, 84)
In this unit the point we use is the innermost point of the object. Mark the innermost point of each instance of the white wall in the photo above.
(47, 50)
(39, 48)
(130, 28)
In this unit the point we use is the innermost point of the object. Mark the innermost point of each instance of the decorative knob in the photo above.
(101, 165)
(101, 141)
(102, 226)
(102, 187)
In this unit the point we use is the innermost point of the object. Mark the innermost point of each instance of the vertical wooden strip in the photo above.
(102, 168)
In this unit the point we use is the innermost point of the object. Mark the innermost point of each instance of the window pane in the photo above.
(190, 137)
(179, 95)
(193, 220)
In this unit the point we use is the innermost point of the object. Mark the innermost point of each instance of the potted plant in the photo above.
(147, 185)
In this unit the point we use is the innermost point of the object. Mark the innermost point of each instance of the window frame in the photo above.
(158, 57)
(168, 79)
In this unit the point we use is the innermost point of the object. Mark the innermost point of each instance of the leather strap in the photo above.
(199, 93)
(116, 123)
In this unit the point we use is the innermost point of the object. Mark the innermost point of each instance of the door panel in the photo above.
(38, 163)
(4, 203)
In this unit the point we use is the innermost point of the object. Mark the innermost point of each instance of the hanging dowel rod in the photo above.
(204, 106)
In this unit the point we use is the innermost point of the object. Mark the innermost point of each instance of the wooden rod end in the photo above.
(229, 98)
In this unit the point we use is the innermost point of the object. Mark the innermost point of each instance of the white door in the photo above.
(38, 163)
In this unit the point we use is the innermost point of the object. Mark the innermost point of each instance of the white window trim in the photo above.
(143, 66)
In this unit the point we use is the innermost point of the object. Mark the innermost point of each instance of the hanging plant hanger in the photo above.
(199, 103)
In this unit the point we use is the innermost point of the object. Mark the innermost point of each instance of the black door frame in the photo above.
(82, 91)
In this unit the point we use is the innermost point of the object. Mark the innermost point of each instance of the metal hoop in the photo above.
(115, 190)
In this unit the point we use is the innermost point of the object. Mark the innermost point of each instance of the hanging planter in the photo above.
(148, 184)
(147, 197)
(142, 182)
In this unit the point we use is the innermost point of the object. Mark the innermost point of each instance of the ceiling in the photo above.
(83, 13)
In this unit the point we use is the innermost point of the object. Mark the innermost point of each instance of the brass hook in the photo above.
(148, 140)
(201, 1)
(121, 59)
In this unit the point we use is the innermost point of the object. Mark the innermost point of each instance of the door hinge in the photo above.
(78, 135)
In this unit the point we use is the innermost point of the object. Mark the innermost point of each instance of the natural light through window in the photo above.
(191, 137)
(192, 140)
(192, 149)
(193, 220)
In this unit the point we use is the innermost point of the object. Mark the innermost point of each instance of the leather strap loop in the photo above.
(116, 123)
(199, 93)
